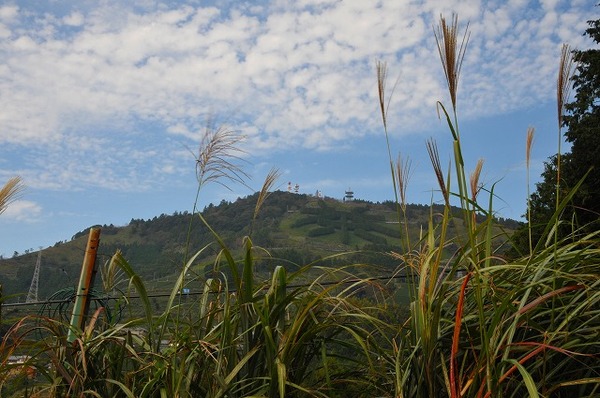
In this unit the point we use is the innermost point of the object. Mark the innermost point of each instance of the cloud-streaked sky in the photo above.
(103, 104)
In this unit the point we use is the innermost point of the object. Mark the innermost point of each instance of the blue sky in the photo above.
(102, 104)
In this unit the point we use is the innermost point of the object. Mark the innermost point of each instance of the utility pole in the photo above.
(88, 270)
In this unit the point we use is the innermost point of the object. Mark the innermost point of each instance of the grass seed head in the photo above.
(474, 180)
(529, 144)
(219, 157)
(451, 54)
(565, 71)
(10, 192)
(437, 168)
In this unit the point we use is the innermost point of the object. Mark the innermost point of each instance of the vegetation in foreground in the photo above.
(478, 325)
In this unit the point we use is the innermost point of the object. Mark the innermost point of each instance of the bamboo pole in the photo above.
(85, 282)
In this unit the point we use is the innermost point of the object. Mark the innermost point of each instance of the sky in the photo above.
(103, 104)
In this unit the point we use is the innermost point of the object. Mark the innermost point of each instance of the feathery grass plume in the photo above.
(474, 180)
(528, 146)
(218, 160)
(437, 168)
(565, 71)
(403, 173)
(266, 190)
(381, 68)
(384, 103)
(475, 188)
(10, 192)
(446, 37)
(563, 86)
(452, 53)
(219, 156)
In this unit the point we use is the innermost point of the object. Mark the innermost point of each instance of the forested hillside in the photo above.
(293, 228)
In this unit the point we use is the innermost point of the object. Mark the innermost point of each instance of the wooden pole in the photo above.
(85, 281)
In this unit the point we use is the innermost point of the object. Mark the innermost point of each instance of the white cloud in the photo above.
(79, 90)
(22, 210)
(74, 19)
(8, 13)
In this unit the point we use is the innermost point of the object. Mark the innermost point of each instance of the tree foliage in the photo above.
(582, 122)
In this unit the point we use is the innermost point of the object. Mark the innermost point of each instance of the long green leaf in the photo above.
(529, 383)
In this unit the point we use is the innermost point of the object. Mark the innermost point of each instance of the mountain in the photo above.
(293, 228)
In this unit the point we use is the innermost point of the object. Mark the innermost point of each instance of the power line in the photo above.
(199, 293)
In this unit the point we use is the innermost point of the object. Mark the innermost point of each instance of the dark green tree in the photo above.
(583, 132)
(582, 123)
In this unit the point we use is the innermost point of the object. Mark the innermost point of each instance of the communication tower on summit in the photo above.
(349, 194)
(32, 296)
(295, 188)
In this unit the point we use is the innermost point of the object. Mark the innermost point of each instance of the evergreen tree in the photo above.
(582, 122)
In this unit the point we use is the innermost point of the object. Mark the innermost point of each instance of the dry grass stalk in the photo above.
(266, 189)
(403, 172)
(565, 71)
(381, 88)
(474, 180)
(452, 56)
(10, 192)
(437, 168)
(475, 188)
(381, 83)
(528, 146)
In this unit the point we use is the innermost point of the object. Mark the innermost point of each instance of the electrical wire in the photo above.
(67, 295)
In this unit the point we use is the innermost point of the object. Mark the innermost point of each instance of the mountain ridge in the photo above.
(295, 228)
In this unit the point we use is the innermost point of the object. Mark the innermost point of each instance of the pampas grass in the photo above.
(563, 81)
(565, 71)
(219, 157)
(434, 156)
(477, 325)
(10, 192)
(528, 146)
(451, 54)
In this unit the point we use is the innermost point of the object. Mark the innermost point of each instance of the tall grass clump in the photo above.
(299, 332)
(481, 325)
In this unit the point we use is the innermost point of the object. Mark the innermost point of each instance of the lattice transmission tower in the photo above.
(32, 296)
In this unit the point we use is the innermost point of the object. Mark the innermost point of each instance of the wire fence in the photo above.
(96, 297)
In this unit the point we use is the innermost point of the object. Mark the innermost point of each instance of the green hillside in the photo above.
(294, 229)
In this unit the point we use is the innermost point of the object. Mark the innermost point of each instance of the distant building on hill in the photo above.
(349, 195)
(296, 187)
